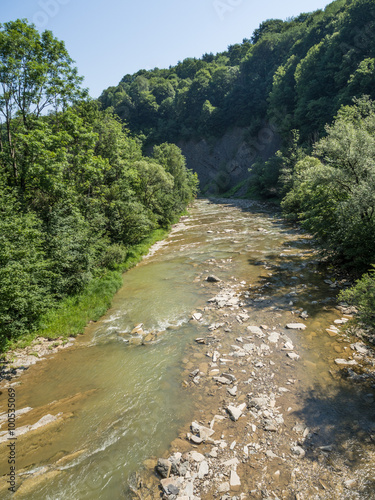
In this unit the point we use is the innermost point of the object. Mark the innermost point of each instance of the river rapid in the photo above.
(109, 403)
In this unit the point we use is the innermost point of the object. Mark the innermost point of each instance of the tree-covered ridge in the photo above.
(296, 72)
(76, 191)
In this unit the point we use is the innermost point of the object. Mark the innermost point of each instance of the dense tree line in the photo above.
(296, 73)
(76, 191)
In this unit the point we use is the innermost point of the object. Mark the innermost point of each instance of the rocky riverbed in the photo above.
(254, 436)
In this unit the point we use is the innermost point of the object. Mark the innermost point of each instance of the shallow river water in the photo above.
(117, 404)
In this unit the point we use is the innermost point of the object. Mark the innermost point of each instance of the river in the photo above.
(115, 404)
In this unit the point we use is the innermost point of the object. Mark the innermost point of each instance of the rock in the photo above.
(234, 412)
(163, 467)
(222, 380)
(170, 486)
(249, 347)
(288, 346)
(328, 448)
(258, 403)
(345, 362)
(274, 338)
(224, 487)
(298, 451)
(293, 356)
(200, 340)
(230, 463)
(229, 376)
(203, 469)
(359, 347)
(255, 330)
(213, 279)
(197, 316)
(193, 438)
(196, 457)
(232, 391)
(296, 326)
(203, 432)
(138, 329)
(235, 482)
(350, 483)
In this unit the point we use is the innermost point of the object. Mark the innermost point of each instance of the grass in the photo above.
(74, 313)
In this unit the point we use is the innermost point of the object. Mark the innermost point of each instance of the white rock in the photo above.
(235, 482)
(197, 316)
(255, 330)
(224, 488)
(197, 457)
(274, 338)
(203, 469)
(345, 362)
(293, 356)
(230, 463)
(296, 326)
(234, 412)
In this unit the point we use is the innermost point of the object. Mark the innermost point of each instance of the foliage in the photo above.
(298, 72)
(362, 295)
(334, 197)
(76, 192)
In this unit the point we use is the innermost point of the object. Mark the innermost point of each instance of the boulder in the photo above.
(163, 467)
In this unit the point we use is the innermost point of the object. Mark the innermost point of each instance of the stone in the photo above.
(222, 380)
(203, 432)
(293, 356)
(298, 451)
(288, 346)
(203, 469)
(224, 487)
(234, 412)
(196, 457)
(163, 467)
(255, 330)
(230, 463)
(235, 482)
(345, 362)
(213, 279)
(170, 486)
(193, 438)
(274, 338)
(197, 316)
(258, 403)
(296, 326)
(232, 391)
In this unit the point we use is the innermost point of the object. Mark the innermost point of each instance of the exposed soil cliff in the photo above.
(224, 163)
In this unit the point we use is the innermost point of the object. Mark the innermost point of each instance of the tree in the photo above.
(335, 196)
(36, 75)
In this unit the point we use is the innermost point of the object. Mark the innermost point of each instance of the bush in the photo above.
(362, 295)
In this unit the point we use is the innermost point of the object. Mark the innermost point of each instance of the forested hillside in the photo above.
(76, 193)
(296, 73)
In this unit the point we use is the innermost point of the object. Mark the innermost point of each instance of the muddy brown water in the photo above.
(117, 405)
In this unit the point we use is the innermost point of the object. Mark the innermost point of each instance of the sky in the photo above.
(109, 39)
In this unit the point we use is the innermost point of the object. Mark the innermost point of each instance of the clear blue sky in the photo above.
(111, 38)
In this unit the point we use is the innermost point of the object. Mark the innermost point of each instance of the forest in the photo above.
(86, 185)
